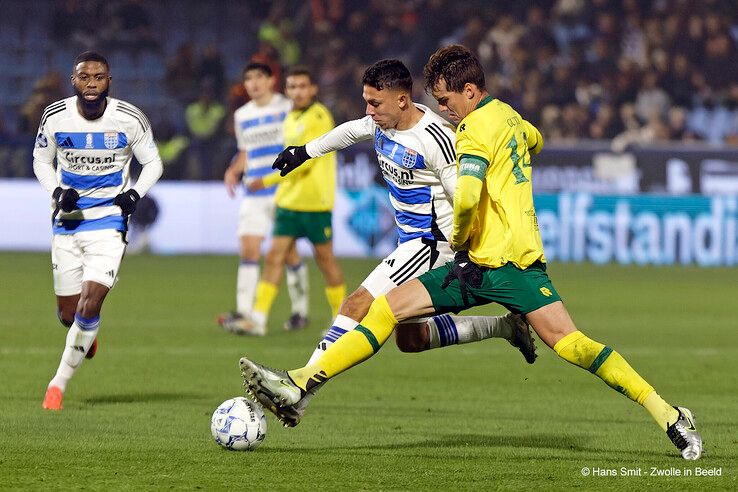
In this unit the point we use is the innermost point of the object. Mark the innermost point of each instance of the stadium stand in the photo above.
(633, 71)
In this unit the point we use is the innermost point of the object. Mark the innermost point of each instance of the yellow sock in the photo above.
(352, 348)
(266, 292)
(610, 366)
(662, 412)
(335, 296)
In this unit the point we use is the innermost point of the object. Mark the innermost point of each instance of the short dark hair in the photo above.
(301, 70)
(93, 56)
(262, 67)
(388, 74)
(455, 64)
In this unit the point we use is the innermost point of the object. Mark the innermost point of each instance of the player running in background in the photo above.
(93, 138)
(260, 137)
(304, 203)
(414, 148)
(499, 257)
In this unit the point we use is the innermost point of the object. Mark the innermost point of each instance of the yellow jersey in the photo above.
(312, 186)
(494, 143)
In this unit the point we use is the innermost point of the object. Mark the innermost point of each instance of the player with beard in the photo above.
(93, 138)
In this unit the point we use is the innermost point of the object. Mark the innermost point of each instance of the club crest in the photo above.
(111, 140)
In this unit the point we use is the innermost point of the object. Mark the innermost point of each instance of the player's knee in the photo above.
(89, 307)
(355, 306)
(410, 342)
(65, 318)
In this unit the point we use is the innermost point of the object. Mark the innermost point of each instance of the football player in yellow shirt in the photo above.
(499, 258)
(304, 202)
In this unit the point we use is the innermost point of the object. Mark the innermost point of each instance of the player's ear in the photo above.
(469, 90)
(402, 100)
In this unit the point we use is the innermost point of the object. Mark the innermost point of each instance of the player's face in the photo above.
(384, 106)
(455, 104)
(301, 90)
(258, 84)
(91, 81)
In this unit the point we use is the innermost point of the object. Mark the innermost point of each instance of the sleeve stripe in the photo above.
(443, 142)
(50, 113)
(142, 122)
(446, 140)
(53, 106)
(133, 111)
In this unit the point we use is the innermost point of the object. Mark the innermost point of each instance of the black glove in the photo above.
(65, 199)
(127, 201)
(466, 272)
(290, 159)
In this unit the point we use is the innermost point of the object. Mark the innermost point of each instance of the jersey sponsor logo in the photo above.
(41, 141)
(73, 158)
(397, 175)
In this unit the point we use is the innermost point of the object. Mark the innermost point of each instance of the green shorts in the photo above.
(520, 291)
(316, 226)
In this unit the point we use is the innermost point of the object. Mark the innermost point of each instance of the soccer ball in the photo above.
(238, 424)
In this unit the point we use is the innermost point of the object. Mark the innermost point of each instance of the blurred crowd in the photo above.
(630, 71)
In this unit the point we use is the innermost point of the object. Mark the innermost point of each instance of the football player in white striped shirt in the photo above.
(260, 137)
(415, 151)
(93, 138)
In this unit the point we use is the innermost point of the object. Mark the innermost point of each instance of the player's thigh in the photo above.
(256, 216)
(519, 290)
(280, 249)
(410, 300)
(102, 252)
(66, 265)
(408, 261)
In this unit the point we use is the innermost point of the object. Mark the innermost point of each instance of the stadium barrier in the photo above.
(199, 218)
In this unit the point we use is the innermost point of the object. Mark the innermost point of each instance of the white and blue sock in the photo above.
(79, 340)
(248, 278)
(447, 329)
(298, 288)
(341, 325)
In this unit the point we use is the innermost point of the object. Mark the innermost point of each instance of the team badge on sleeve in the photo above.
(41, 141)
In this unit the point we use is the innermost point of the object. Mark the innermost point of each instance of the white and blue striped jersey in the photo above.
(260, 133)
(418, 165)
(93, 157)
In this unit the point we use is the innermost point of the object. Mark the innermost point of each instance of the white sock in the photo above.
(79, 340)
(447, 329)
(248, 278)
(341, 325)
(298, 287)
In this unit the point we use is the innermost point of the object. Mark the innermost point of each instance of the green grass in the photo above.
(473, 417)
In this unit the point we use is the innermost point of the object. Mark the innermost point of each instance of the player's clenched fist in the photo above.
(290, 159)
(65, 199)
(127, 201)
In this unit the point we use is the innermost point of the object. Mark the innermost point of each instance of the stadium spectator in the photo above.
(181, 79)
(204, 119)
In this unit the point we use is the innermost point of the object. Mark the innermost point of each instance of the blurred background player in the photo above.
(304, 202)
(93, 138)
(415, 150)
(260, 138)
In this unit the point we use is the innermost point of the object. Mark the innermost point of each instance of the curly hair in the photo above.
(455, 64)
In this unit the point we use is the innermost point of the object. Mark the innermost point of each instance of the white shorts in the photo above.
(256, 216)
(408, 261)
(86, 256)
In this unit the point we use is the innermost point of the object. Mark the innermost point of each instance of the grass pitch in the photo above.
(472, 417)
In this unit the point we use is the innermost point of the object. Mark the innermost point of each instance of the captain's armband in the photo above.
(472, 165)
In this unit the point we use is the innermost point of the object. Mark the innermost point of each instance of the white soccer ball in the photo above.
(238, 424)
